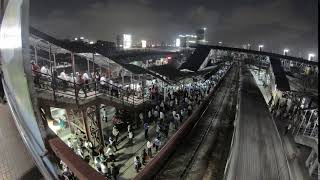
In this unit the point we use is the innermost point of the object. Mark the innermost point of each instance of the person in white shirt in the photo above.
(157, 143)
(104, 168)
(44, 70)
(130, 137)
(137, 163)
(103, 81)
(177, 118)
(174, 113)
(97, 162)
(161, 116)
(63, 76)
(110, 153)
(141, 117)
(69, 143)
(149, 146)
(85, 76)
(86, 79)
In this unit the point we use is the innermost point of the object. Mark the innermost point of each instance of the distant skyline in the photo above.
(277, 24)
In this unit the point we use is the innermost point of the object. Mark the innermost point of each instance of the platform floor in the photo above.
(298, 171)
(257, 151)
(15, 160)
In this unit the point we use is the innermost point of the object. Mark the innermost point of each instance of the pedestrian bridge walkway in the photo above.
(68, 92)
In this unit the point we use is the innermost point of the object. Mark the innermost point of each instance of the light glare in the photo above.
(178, 42)
(127, 41)
(143, 43)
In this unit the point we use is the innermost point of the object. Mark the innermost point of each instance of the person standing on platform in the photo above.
(146, 129)
(86, 79)
(130, 138)
(143, 156)
(36, 73)
(104, 114)
(115, 133)
(104, 169)
(114, 171)
(141, 116)
(112, 143)
(137, 163)
(287, 129)
(157, 143)
(103, 81)
(129, 127)
(157, 130)
(149, 146)
(110, 153)
(156, 115)
(161, 117)
(80, 85)
(150, 116)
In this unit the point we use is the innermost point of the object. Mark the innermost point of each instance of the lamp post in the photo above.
(260, 47)
(204, 34)
(311, 56)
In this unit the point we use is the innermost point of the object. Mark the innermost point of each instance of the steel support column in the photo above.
(98, 119)
(85, 123)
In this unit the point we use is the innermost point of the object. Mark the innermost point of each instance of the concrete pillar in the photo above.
(54, 62)
(73, 64)
(51, 68)
(310, 157)
(36, 54)
(88, 65)
(93, 65)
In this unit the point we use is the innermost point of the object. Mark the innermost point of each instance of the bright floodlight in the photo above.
(285, 51)
(81, 38)
(127, 41)
(76, 39)
(311, 56)
(144, 43)
(91, 42)
(178, 42)
(220, 42)
(260, 47)
(204, 28)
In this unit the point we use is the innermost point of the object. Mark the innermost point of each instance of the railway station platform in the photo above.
(256, 151)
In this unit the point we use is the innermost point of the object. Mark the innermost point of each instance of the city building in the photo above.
(127, 41)
(187, 40)
(119, 41)
(201, 38)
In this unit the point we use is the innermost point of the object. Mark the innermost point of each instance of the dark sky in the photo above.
(277, 24)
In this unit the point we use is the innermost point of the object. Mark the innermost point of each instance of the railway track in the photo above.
(181, 162)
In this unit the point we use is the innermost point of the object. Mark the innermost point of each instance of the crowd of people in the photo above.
(167, 112)
(170, 107)
(84, 82)
(288, 111)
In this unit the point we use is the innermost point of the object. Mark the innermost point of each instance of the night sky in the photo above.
(277, 24)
